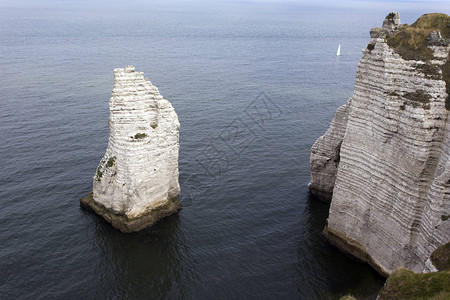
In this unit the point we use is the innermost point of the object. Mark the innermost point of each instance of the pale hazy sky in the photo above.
(441, 6)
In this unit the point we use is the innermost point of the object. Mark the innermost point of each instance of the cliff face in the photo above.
(391, 194)
(136, 182)
(325, 155)
(404, 284)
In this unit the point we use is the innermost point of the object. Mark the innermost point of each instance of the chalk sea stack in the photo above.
(136, 182)
(384, 163)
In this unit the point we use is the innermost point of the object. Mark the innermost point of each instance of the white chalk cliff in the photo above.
(385, 160)
(136, 182)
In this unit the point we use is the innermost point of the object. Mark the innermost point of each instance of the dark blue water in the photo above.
(254, 84)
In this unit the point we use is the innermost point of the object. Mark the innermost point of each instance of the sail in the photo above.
(339, 50)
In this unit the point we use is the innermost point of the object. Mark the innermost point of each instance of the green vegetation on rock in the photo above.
(419, 97)
(110, 162)
(140, 135)
(430, 71)
(99, 174)
(410, 41)
(441, 257)
(390, 16)
(405, 284)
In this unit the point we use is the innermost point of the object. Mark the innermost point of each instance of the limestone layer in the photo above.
(325, 156)
(385, 161)
(136, 182)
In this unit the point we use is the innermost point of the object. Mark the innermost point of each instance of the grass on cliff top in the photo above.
(441, 257)
(410, 41)
(404, 284)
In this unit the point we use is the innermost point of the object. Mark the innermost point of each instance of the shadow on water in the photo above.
(349, 276)
(142, 265)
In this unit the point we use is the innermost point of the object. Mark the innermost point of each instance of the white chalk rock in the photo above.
(390, 200)
(136, 183)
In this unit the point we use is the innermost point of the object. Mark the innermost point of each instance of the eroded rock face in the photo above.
(391, 192)
(435, 39)
(136, 182)
(392, 22)
(325, 156)
(390, 25)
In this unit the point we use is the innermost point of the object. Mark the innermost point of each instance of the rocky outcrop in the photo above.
(391, 194)
(435, 39)
(136, 182)
(390, 25)
(325, 156)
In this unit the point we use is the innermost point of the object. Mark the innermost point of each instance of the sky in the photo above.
(398, 5)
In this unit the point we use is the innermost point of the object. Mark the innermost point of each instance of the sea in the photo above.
(254, 84)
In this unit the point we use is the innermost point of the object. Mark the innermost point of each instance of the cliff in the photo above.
(136, 182)
(385, 161)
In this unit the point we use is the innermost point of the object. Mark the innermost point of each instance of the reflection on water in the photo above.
(144, 264)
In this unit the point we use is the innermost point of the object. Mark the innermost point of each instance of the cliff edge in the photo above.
(385, 160)
(404, 284)
(136, 182)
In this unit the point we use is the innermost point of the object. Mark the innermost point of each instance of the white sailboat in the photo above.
(339, 50)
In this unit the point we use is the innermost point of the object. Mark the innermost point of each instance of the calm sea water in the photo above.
(254, 85)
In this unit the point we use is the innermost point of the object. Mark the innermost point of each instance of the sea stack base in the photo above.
(352, 248)
(127, 225)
